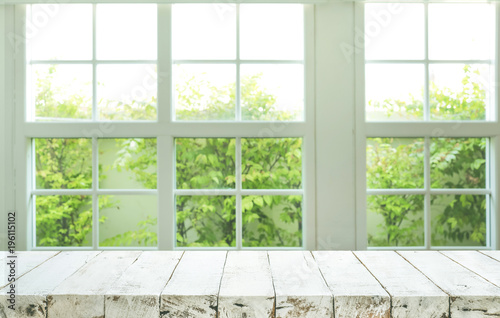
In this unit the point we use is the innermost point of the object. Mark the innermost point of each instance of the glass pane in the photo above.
(205, 92)
(63, 220)
(461, 31)
(59, 32)
(61, 92)
(127, 92)
(128, 220)
(394, 31)
(458, 163)
(206, 221)
(394, 92)
(395, 220)
(126, 32)
(205, 163)
(460, 91)
(127, 163)
(458, 220)
(272, 92)
(271, 163)
(278, 35)
(272, 220)
(63, 163)
(204, 31)
(394, 163)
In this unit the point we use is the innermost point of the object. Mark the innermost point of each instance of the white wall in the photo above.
(3, 150)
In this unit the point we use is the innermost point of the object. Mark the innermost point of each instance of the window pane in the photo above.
(59, 32)
(458, 163)
(205, 163)
(128, 220)
(204, 31)
(458, 220)
(61, 92)
(272, 92)
(394, 31)
(63, 163)
(205, 92)
(127, 163)
(271, 163)
(394, 92)
(127, 92)
(63, 220)
(459, 91)
(271, 31)
(272, 221)
(395, 163)
(206, 221)
(461, 31)
(395, 220)
(126, 31)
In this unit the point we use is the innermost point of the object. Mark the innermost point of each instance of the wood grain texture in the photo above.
(246, 289)
(483, 265)
(137, 292)
(356, 292)
(299, 286)
(82, 294)
(24, 262)
(194, 287)
(413, 294)
(492, 254)
(471, 296)
(32, 288)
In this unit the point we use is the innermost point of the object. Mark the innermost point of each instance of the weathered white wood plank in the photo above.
(24, 262)
(194, 287)
(471, 296)
(356, 292)
(492, 254)
(32, 289)
(299, 286)
(137, 292)
(413, 294)
(82, 294)
(481, 264)
(246, 288)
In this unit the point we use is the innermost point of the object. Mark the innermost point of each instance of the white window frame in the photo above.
(164, 129)
(427, 130)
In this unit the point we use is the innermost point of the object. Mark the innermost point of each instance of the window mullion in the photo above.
(427, 199)
(94, 64)
(427, 107)
(239, 213)
(238, 68)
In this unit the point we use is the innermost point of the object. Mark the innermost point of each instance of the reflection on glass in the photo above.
(394, 92)
(271, 163)
(278, 35)
(458, 163)
(63, 220)
(205, 92)
(61, 92)
(63, 163)
(204, 31)
(272, 92)
(127, 163)
(459, 91)
(205, 163)
(206, 221)
(128, 220)
(272, 220)
(395, 163)
(127, 92)
(458, 220)
(394, 31)
(395, 220)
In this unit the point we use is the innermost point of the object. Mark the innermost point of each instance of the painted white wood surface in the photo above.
(413, 295)
(194, 287)
(32, 288)
(481, 264)
(356, 292)
(246, 288)
(300, 288)
(137, 292)
(24, 262)
(471, 296)
(82, 294)
(492, 254)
